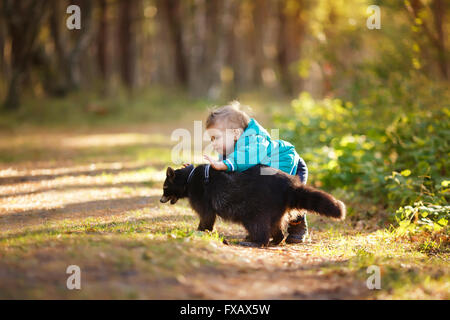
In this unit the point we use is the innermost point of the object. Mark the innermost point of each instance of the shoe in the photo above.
(297, 230)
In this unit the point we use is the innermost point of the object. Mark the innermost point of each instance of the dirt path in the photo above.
(91, 199)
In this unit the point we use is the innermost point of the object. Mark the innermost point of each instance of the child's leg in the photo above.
(297, 229)
(298, 226)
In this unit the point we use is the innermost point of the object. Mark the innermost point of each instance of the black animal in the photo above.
(258, 201)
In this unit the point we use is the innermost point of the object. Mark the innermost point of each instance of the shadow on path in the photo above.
(33, 178)
(146, 222)
(149, 183)
(75, 210)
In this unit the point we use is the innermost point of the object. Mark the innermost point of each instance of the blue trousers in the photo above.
(302, 172)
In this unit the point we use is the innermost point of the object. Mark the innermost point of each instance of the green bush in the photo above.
(419, 217)
(390, 147)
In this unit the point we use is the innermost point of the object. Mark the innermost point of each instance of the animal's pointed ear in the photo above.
(170, 173)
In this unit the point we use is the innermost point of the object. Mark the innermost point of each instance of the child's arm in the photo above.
(218, 165)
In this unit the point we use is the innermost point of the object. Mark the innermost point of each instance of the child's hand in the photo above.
(218, 165)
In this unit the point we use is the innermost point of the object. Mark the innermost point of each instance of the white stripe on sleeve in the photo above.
(231, 165)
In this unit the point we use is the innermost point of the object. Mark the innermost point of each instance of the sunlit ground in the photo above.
(92, 200)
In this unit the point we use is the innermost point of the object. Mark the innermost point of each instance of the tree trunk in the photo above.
(260, 18)
(102, 40)
(197, 57)
(290, 36)
(438, 9)
(222, 86)
(23, 20)
(81, 44)
(170, 13)
(127, 41)
(2, 45)
(12, 100)
(437, 40)
(69, 55)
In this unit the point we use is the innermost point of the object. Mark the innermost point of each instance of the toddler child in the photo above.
(242, 142)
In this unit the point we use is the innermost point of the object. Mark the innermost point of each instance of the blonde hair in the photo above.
(232, 113)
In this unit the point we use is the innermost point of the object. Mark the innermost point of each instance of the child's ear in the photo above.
(237, 133)
(170, 173)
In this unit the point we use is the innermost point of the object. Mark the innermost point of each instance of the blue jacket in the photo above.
(255, 146)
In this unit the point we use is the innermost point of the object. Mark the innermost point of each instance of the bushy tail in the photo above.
(311, 199)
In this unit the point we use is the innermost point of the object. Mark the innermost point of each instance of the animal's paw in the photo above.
(251, 244)
(275, 243)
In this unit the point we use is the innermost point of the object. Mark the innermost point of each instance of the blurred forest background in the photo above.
(368, 110)
(216, 48)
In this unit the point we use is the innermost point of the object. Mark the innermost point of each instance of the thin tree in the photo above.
(69, 51)
(128, 11)
(436, 37)
(102, 40)
(290, 37)
(170, 11)
(23, 20)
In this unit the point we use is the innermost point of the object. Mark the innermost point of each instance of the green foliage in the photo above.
(389, 142)
(390, 146)
(419, 217)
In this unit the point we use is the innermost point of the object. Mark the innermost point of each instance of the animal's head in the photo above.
(174, 186)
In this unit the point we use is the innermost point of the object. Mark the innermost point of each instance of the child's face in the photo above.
(223, 139)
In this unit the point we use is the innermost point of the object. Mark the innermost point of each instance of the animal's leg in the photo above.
(277, 237)
(259, 234)
(207, 222)
(277, 232)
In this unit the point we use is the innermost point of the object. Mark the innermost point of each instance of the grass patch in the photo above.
(132, 248)
(406, 271)
(88, 108)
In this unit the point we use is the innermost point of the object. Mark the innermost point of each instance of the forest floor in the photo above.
(90, 198)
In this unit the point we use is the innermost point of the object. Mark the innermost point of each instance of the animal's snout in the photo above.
(172, 199)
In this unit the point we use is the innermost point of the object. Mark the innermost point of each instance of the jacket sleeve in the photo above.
(248, 153)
